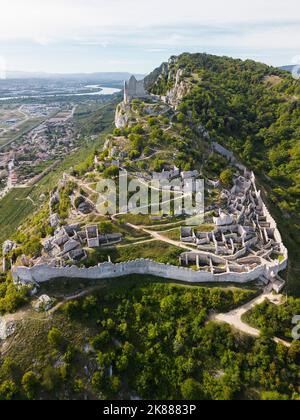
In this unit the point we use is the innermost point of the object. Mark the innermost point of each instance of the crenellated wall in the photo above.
(44, 273)
(273, 225)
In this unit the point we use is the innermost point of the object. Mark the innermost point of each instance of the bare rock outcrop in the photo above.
(7, 329)
(175, 95)
(169, 83)
(122, 115)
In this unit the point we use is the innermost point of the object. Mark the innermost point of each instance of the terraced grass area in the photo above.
(147, 220)
(156, 250)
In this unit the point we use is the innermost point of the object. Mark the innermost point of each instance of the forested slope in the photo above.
(254, 110)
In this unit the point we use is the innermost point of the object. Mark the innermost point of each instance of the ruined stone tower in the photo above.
(134, 90)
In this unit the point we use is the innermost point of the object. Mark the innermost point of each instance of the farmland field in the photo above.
(10, 136)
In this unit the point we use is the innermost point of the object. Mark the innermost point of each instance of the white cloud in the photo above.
(137, 34)
(159, 39)
(55, 20)
(155, 50)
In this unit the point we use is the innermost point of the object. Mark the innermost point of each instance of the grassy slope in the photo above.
(15, 207)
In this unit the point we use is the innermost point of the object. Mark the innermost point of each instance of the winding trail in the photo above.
(155, 235)
(74, 297)
(234, 318)
(159, 237)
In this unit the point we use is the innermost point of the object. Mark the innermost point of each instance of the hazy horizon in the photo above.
(73, 73)
(121, 72)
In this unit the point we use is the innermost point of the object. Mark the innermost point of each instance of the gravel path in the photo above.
(234, 318)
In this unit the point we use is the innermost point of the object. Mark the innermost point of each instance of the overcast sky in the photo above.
(137, 35)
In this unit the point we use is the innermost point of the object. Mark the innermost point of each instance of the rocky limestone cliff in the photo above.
(175, 95)
(122, 115)
(168, 82)
(7, 328)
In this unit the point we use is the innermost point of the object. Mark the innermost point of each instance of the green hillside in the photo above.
(140, 337)
(143, 337)
(20, 203)
(254, 110)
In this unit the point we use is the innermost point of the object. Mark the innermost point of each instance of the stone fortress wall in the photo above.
(268, 270)
(44, 273)
(133, 89)
(223, 151)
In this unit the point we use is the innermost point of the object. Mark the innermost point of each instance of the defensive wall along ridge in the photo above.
(266, 269)
(44, 273)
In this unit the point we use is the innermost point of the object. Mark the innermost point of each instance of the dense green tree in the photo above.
(8, 390)
(273, 396)
(56, 338)
(191, 390)
(226, 177)
(30, 385)
(153, 340)
(51, 379)
(111, 172)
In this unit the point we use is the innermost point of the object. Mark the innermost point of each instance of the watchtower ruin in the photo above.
(134, 89)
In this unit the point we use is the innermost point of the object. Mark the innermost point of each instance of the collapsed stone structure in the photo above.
(69, 241)
(166, 175)
(134, 89)
(245, 239)
(244, 246)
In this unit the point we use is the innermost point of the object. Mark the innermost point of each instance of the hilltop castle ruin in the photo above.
(134, 89)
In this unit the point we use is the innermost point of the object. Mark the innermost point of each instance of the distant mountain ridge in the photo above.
(289, 68)
(109, 76)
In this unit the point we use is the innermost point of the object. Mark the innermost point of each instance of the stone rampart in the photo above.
(44, 273)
